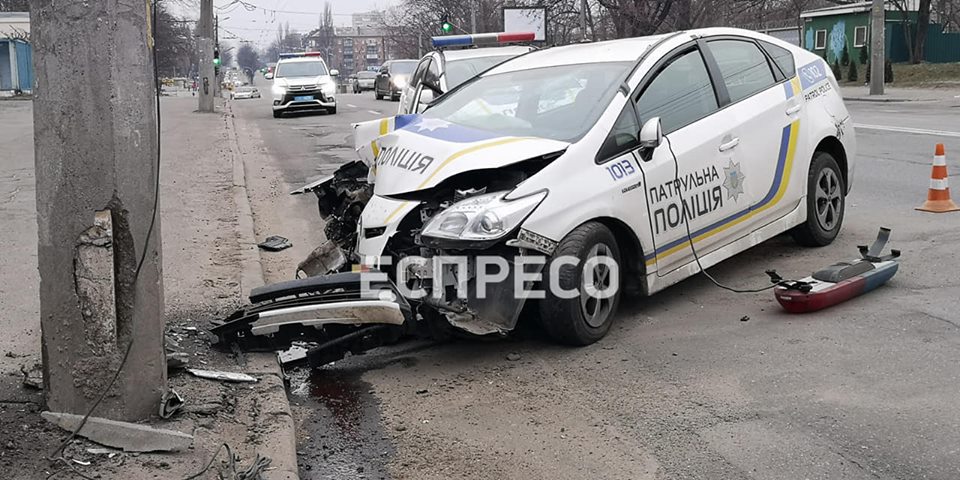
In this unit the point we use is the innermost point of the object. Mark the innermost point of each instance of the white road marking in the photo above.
(917, 131)
(374, 112)
(351, 105)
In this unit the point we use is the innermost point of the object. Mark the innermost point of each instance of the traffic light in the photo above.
(445, 24)
(216, 61)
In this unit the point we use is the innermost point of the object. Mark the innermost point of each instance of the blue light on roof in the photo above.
(452, 41)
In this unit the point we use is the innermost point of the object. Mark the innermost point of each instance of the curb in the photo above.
(280, 442)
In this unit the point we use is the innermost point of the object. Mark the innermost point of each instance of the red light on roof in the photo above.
(516, 37)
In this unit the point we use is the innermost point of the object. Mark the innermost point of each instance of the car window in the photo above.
(744, 68)
(459, 71)
(300, 69)
(782, 57)
(559, 102)
(680, 94)
(367, 75)
(623, 135)
(432, 73)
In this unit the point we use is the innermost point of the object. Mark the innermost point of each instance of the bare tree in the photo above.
(923, 23)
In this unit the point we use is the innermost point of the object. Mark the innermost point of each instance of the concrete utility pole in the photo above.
(583, 21)
(878, 58)
(95, 140)
(473, 16)
(208, 81)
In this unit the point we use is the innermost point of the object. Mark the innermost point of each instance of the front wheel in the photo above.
(277, 113)
(586, 317)
(376, 94)
(825, 203)
(332, 110)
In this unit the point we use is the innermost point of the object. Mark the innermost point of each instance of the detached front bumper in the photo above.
(314, 309)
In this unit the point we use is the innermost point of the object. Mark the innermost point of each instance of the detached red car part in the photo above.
(840, 281)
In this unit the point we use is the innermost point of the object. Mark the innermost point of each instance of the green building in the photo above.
(827, 30)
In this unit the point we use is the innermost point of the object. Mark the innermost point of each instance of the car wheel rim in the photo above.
(829, 199)
(596, 310)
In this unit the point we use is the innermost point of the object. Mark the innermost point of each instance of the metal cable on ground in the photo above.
(686, 222)
(57, 455)
(259, 465)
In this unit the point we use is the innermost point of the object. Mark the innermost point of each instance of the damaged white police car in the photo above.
(607, 162)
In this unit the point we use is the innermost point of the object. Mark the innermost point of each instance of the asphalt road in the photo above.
(694, 382)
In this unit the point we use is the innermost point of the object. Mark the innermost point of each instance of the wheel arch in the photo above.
(631, 250)
(834, 147)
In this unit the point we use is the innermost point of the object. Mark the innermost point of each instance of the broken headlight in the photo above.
(483, 217)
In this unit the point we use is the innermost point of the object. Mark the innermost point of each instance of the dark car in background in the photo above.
(393, 77)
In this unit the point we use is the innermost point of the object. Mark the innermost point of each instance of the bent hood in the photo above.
(407, 153)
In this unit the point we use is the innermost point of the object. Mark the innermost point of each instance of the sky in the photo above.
(259, 25)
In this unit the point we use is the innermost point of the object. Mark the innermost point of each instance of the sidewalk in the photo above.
(861, 93)
(210, 263)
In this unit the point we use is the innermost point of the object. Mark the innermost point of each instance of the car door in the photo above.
(764, 115)
(683, 177)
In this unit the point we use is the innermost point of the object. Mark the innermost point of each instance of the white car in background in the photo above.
(443, 70)
(301, 81)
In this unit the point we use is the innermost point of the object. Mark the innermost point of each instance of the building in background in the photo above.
(364, 45)
(16, 62)
(826, 31)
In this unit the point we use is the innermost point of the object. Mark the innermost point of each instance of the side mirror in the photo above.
(334, 72)
(426, 98)
(651, 135)
(432, 86)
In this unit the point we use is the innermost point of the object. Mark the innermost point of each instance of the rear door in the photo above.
(764, 110)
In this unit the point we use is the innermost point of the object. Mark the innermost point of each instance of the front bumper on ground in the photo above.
(305, 309)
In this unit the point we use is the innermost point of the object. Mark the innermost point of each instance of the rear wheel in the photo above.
(585, 318)
(825, 203)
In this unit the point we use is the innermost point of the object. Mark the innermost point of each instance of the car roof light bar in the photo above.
(482, 39)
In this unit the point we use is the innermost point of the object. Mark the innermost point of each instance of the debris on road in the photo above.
(275, 243)
(222, 376)
(513, 357)
(841, 281)
(130, 437)
(170, 402)
(745, 318)
(33, 378)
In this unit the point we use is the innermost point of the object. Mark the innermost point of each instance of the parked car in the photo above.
(392, 78)
(245, 92)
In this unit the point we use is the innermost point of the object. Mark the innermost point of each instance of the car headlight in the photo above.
(278, 89)
(400, 82)
(483, 217)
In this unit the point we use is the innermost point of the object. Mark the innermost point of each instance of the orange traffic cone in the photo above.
(938, 196)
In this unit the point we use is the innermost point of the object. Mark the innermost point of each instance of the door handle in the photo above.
(727, 146)
(793, 109)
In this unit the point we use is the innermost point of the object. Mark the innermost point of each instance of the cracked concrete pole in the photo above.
(95, 140)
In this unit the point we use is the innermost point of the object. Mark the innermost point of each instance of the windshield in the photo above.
(301, 69)
(245, 89)
(459, 71)
(560, 103)
(367, 75)
(403, 68)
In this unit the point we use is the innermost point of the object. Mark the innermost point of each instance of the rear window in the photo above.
(782, 57)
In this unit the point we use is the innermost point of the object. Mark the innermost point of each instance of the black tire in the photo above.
(564, 319)
(332, 110)
(826, 200)
(277, 114)
(394, 98)
(376, 93)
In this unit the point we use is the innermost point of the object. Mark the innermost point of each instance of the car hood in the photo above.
(407, 153)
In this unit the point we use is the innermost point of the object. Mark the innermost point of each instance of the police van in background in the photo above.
(301, 81)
